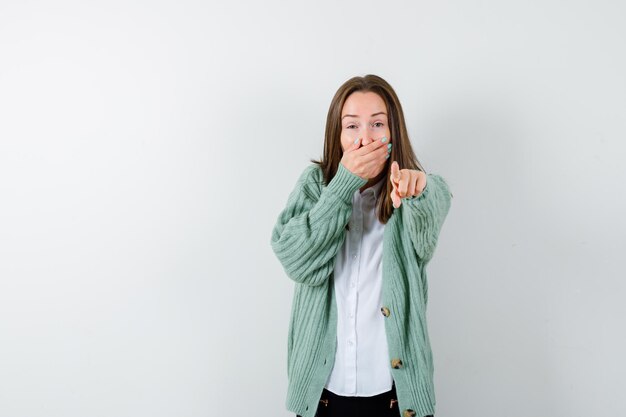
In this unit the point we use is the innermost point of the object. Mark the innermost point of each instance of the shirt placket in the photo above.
(356, 237)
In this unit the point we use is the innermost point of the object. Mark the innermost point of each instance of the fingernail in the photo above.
(384, 139)
(389, 146)
(356, 141)
(387, 157)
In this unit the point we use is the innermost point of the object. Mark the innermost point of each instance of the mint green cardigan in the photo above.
(306, 238)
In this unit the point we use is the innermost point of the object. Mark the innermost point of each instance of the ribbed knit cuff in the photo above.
(345, 183)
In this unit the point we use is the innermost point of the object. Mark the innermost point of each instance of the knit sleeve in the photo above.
(311, 228)
(423, 215)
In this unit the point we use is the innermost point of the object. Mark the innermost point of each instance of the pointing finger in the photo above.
(395, 172)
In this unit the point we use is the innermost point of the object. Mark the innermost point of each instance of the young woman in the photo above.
(356, 234)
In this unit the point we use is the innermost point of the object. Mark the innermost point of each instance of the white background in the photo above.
(146, 149)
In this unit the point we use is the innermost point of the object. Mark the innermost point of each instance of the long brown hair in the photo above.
(402, 150)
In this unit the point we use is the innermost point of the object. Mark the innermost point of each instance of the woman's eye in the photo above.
(350, 126)
(379, 123)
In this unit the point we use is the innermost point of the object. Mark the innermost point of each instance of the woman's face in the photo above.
(364, 116)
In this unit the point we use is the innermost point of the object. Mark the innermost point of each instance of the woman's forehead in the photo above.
(363, 104)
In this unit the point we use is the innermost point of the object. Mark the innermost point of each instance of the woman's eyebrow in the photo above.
(354, 115)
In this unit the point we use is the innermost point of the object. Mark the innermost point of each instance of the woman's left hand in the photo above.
(406, 183)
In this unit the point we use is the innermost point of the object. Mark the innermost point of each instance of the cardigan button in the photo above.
(385, 311)
(396, 363)
(409, 413)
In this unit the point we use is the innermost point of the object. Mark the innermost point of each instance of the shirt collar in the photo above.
(373, 189)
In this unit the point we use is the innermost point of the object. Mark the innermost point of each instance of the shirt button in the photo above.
(385, 311)
(351, 315)
(409, 413)
(352, 284)
(396, 363)
(350, 342)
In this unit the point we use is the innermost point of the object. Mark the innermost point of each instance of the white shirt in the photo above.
(362, 365)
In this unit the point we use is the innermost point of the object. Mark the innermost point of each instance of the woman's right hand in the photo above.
(365, 161)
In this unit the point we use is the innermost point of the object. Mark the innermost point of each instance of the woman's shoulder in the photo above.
(310, 182)
(311, 175)
(440, 181)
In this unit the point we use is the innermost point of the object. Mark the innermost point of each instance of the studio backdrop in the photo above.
(147, 148)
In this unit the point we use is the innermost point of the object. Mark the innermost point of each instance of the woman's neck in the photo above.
(373, 181)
